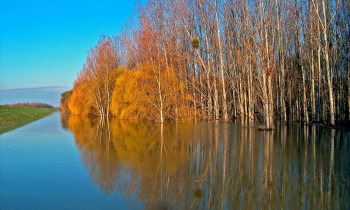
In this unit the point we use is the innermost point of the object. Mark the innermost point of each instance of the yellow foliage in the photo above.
(137, 95)
(127, 102)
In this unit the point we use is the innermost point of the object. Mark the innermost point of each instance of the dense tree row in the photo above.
(35, 104)
(211, 59)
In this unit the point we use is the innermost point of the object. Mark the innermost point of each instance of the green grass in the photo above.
(12, 117)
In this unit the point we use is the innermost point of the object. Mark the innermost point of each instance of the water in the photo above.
(70, 162)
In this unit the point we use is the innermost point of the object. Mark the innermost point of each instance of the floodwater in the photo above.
(70, 162)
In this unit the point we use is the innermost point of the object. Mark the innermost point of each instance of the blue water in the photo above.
(71, 162)
(41, 168)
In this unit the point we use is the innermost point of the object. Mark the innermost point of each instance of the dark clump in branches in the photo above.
(195, 43)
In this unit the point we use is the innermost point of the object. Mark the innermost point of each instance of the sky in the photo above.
(43, 44)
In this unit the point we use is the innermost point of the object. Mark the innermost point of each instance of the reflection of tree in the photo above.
(107, 147)
(97, 151)
(64, 120)
(215, 165)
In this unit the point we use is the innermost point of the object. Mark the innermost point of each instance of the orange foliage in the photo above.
(146, 40)
(80, 102)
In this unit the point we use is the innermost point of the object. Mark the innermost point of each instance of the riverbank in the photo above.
(12, 117)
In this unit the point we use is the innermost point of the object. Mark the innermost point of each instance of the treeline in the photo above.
(35, 104)
(209, 59)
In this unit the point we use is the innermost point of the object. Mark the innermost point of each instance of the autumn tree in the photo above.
(96, 80)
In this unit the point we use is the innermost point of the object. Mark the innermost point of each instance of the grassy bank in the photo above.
(12, 117)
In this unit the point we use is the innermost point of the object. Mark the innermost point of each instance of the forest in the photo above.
(263, 60)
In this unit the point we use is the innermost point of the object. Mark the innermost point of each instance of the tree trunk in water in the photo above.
(290, 105)
(283, 101)
(202, 95)
(224, 100)
(210, 91)
(301, 62)
(250, 93)
(319, 83)
(324, 117)
(241, 106)
(348, 90)
(329, 73)
(269, 91)
(282, 79)
(312, 78)
(210, 102)
(330, 90)
(297, 110)
(266, 102)
(194, 91)
(245, 104)
(270, 99)
(234, 110)
(338, 105)
(234, 103)
(216, 101)
(306, 117)
(161, 106)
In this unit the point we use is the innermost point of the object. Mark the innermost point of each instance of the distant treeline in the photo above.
(35, 104)
(264, 60)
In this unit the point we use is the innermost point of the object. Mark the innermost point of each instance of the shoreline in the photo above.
(12, 117)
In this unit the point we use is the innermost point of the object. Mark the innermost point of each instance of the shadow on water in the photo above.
(215, 165)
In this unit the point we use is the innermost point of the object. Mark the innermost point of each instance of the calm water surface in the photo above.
(70, 162)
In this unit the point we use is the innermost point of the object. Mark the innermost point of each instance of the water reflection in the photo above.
(215, 165)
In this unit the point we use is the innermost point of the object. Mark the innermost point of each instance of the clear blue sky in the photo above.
(44, 43)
